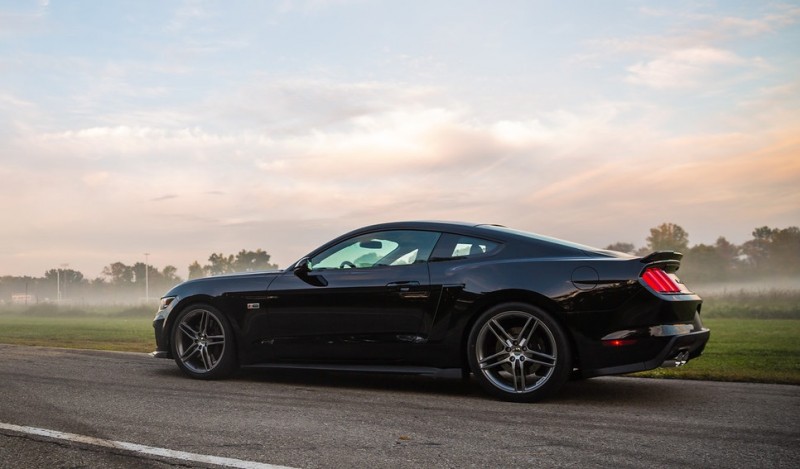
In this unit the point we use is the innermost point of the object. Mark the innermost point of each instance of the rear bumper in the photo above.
(672, 351)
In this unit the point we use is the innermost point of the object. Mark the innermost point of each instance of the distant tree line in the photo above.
(244, 261)
(771, 252)
(122, 283)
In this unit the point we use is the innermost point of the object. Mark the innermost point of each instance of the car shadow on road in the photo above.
(628, 391)
(356, 380)
(608, 391)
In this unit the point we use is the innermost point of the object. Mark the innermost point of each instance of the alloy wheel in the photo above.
(516, 352)
(200, 341)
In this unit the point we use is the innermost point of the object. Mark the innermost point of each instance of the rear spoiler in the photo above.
(669, 260)
(662, 256)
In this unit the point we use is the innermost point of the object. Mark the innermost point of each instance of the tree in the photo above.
(119, 273)
(244, 261)
(785, 250)
(248, 261)
(757, 249)
(704, 262)
(668, 237)
(220, 264)
(170, 274)
(774, 250)
(729, 253)
(197, 271)
(627, 248)
(65, 275)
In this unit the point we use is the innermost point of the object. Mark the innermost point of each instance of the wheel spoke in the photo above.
(487, 363)
(215, 340)
(518, 369)
(189, 352)
(187, 329)
(527, 339)
(204, 322)
(542, 358)
(500, 333)
(205, 358)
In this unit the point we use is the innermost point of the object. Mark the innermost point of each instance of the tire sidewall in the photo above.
(227, 364)
(563, 365)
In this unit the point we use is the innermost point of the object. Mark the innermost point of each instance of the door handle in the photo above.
(406, 289)
(403, 286)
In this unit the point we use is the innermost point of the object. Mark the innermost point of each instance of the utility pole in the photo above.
(64, 266)
(146, 277)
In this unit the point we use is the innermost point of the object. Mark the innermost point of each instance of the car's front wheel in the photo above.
(202, 343)
(518, 352)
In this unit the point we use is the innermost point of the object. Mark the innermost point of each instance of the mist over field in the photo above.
(758, 285)
(768, 262)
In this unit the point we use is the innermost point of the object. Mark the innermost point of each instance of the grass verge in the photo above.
(750, 350)
(84, 332)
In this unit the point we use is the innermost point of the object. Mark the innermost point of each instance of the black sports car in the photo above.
(520, 311)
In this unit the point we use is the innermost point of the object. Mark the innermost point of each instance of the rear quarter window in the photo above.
(453, 246)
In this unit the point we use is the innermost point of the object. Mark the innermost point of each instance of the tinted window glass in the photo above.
(388, 248)
(461, 247)
(539, 237)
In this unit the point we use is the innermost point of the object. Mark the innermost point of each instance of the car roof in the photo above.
(487, 230)
(438, 225)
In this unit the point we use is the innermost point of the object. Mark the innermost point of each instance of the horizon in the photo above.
(180, 130)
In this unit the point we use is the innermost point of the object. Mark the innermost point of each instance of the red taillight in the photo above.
(659, 281)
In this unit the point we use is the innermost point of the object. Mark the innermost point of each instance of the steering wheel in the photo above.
(347, 264)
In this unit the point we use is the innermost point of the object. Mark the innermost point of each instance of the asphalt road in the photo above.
(310, 419)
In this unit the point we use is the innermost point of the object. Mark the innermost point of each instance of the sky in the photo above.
(180, 129)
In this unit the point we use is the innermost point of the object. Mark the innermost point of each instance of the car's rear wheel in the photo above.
(202, 343)
(518, 352)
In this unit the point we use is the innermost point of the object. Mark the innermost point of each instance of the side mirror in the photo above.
(303, 266)
(303, 270)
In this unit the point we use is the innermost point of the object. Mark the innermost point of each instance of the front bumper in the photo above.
(162, 347)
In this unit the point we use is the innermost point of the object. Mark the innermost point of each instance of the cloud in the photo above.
(583, 174)
(684, 68)
(697, 50)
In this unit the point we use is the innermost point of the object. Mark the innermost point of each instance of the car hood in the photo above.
(221, 279)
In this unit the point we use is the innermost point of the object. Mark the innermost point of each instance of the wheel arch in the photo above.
(188, 302)
(516, 296)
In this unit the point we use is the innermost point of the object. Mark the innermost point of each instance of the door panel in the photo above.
(364, 315)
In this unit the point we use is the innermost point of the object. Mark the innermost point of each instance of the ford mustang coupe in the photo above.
(520, 311)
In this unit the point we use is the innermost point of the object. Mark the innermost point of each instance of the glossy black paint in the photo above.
(419, 315)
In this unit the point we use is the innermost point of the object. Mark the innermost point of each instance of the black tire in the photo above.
(202, 343)
(519, 353)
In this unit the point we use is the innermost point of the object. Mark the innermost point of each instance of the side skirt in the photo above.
(448, 373)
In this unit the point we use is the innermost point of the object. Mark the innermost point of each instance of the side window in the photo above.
(387, 248)
(463, 247)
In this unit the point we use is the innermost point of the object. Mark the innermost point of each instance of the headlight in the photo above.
(165, 302)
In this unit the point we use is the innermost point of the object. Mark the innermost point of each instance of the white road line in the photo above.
(140, 449)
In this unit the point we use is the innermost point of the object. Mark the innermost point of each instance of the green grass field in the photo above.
(86, 332)
(757, 350)
(754, 337)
